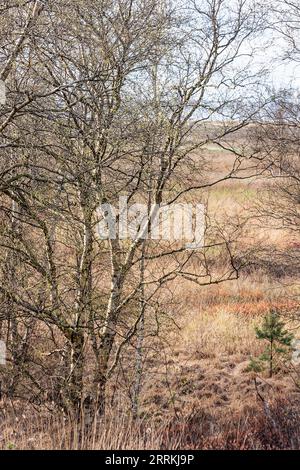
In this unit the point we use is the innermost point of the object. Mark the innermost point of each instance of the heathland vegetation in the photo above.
(131, 342)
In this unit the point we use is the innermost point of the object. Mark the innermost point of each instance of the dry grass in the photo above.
(27, 429)
(221, 332)
(252, 429)
(197, 392)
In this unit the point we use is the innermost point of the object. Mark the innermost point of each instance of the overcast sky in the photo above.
(286, 74)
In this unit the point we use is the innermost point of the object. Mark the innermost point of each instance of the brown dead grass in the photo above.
(197, 392)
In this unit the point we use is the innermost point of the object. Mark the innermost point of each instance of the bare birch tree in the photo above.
(112, 99)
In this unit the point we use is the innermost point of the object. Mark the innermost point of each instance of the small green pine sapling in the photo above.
(278, 339)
